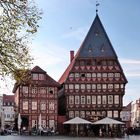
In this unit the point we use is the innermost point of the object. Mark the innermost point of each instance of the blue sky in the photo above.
(65, 23)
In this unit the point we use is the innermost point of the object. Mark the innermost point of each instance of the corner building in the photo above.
(93, 85)
(37, 97)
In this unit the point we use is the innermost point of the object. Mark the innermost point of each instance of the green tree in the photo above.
(18, 21)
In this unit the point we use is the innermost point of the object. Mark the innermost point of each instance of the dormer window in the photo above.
(96, 33)
(102, 48)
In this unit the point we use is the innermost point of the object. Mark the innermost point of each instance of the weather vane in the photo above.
(97, 4)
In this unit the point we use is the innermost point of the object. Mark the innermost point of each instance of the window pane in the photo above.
(82, 86)
(35, 76)
(71, 99)
(82, 99)
(93, 99)
(110, 99)
(51, 105)
(116, 100)
(76, 86)
(41, 77)
(25, 105)
(34, 105)
(88, 99)
(98, 99)
(70, 86)
(104, 100)
(76, 99)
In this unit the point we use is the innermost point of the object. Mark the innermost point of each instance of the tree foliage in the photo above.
(18, 20)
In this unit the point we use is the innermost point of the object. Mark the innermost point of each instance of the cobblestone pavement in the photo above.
(9, 137)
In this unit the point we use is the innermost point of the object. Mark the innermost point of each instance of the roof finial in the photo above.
(97, 4)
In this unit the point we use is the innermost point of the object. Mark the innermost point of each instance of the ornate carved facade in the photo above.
(37, 97)
(94, 82)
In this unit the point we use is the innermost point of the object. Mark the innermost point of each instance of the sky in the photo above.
(64, 25)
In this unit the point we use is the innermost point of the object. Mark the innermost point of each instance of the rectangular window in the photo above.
(25, 89)
(110, 75)
(98, 86)
(110, 86)
(42, 90)
(66, 86)
(82, 114)
(98, 100)
(93, 86)
(88, 86)
(116, 100)
(42, 105)
(99, 75)
(77, 86)
(41, 77)
(110, 99)
(76, 113)
(122, 85)
(71, 114)
(35, 76)
(104, 86)
(104, 75)
(70, 86)
(25, 105)
(94, 75)
(116, 86)
(34, 123)
(88, 75)
(71, 75)
(82, 86)
(117, 75)
(34, 90)
(104, 100)
(88, 99)
(77, 75)
(51, 123)
(116, 115)
(51, 105)
(93, 99)
(109, 114)
(34, 105)
(71, 99)
(82, 99)
(76, 99)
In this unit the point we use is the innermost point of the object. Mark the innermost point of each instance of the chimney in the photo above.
(71, 56)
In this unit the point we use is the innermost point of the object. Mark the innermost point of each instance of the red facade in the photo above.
(37, 97)
(93, 85)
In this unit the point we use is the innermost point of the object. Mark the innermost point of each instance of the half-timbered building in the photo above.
(93, 85)
(37, 97)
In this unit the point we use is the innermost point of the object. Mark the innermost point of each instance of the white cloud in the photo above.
(48, 54)
(131, 67)
(129, 61)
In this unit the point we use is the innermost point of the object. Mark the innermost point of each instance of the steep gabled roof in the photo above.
(48, 81)
(95, 45)
(37, 69)
(8, 98)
